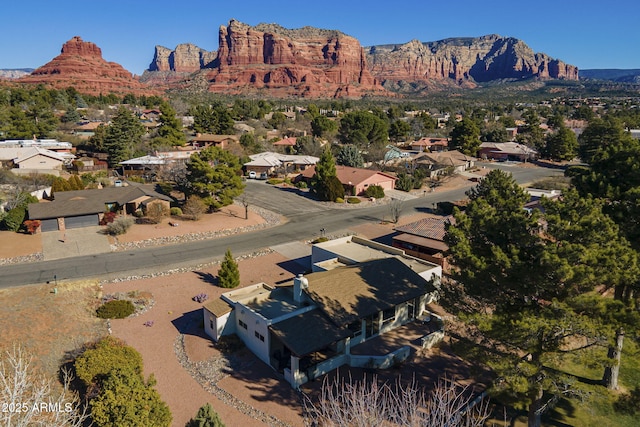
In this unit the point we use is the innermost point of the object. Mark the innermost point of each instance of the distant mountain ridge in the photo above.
(464, 60)
(613, 74)
(268, 58)
(311, 62)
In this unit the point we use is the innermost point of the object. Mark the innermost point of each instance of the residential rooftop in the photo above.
(263, 299)
(353, 249)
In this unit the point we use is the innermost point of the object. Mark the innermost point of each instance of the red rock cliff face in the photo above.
(80, 64)
(186, 58)
(464, 60)
(302, 62)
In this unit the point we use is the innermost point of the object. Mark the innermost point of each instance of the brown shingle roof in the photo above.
(85, 202)
(47, 210)
(349, 293)
(444, 158)
(218, 307)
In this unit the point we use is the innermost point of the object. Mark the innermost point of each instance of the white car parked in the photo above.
(252, 175)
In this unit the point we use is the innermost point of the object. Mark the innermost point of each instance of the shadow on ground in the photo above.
(298, 192)
(297, 266)
(207, 277)
(190, 323)
(386, 239)
(251, 379)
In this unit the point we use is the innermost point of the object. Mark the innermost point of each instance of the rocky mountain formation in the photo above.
(269, 56)
(463, 61)
(274, 61)
(302, 62)
(186, 58)
(80, 64)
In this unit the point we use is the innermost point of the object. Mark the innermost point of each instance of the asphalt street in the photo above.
(305, 219)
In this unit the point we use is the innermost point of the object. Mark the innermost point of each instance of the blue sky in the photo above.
(588, 33)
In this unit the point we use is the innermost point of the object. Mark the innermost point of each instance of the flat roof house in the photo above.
(306, 328)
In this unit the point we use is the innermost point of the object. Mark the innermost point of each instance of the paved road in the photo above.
(285, 201)
(304, 223)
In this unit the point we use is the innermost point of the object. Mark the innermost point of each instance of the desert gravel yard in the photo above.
(174, 314)
(189, 369)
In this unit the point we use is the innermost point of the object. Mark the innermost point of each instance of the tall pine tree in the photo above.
(325, 184)
(170, 131)
(122, 136)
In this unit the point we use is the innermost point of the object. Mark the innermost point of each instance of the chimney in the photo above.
(299, 284)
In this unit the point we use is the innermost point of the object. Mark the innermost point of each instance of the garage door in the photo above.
(49, 225)
(81, 221)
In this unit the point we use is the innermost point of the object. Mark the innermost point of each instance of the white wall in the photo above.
(255, 323)
(223, 325)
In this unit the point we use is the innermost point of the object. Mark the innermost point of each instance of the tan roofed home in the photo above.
(356, 180)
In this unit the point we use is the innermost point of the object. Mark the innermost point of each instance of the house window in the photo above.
(211, 323)
(355, 328)
(259, 336)
(389, 315)
(242, 324)
(411, 308)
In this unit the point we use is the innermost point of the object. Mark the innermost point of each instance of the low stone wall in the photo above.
(271, 219)
(381, 362)
(25, 259)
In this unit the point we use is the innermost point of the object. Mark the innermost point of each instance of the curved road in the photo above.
(305, 219)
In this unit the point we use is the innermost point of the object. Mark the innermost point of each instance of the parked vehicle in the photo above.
(252, 175)
(264, 175)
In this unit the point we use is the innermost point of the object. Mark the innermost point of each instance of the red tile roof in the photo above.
(431, 228)
(289, 142)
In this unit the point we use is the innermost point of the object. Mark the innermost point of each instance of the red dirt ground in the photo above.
(50, 325)
(19, 244)
(173, 312)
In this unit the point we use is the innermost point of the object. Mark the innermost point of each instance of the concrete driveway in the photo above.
(74, 242)
(285, 201)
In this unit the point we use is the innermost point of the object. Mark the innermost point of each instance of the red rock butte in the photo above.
(302, 62)
(80, 65)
